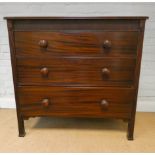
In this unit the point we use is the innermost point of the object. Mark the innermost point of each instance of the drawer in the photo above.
(75, 71)
(76, 43)
(76, 101)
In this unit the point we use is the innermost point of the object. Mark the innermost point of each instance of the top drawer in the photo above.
(76, 43)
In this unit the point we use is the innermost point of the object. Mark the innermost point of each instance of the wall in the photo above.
(146, 97)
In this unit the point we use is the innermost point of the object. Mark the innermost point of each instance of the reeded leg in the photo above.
(130, 130)
(21, 127)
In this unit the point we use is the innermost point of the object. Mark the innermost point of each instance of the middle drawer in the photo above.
(65, 71)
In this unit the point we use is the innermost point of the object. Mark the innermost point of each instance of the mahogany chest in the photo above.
(76, 66)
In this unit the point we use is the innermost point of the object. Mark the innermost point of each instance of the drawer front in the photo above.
(75, 71)
(76, 101)
(77, 43)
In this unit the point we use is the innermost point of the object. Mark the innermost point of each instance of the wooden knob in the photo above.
(43, 43)
(105, 72)
(104, 104)
(107, 44)
(45, 102)
(44, 72)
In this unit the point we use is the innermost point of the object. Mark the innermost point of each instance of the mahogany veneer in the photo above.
(76, 66)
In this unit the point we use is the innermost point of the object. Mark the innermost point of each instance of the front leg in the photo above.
(21, 127)
(130, 131)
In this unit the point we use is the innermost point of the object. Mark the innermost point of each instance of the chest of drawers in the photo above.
(76, 67)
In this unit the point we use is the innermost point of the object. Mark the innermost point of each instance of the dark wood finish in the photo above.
(76, 43)
(76, 24)
(105, 104)
(76, 101)
(74, 71)
(43, 43)
(44, 71)
(76, 66)
(82, 17)
(20, 117)
(136, 83)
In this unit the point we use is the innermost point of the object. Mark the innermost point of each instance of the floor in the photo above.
(76, 135)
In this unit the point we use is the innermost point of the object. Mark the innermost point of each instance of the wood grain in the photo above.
(76, 71)
(76, 43)
(76, 101)
(58, 66)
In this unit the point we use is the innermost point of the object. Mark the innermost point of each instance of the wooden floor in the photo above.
(76, 135)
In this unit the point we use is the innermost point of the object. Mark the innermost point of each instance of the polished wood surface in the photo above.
(76, 71)
(76, 101)
(72, 43)
(76, 66)
(82, 17)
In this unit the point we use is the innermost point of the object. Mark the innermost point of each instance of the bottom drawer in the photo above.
(76, 101)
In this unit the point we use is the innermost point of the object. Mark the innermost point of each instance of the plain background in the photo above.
(146, 97)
